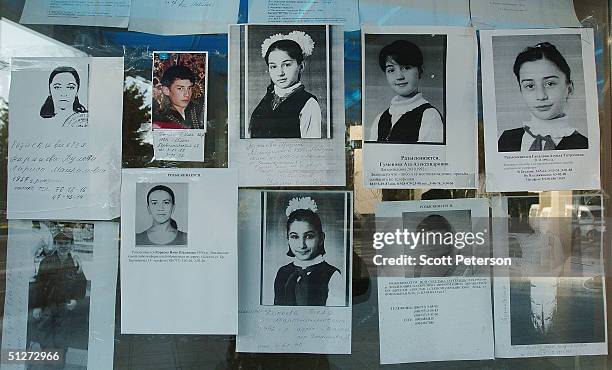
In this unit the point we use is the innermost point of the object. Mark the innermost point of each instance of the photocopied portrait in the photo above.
(62, 104)
(305, 250)
(59, 295)
(179, 224)
(540, 93)
(161, 214)
(287, 82)
(414, 99)
(556, 291)
(551, 299)
(405, 88)
(438, 224)
(60, 292)
(66, 119)
(420, 297)
(180, 90)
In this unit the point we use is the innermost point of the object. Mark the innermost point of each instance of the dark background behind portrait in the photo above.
(181, 209)
(314, 76)
(331, 210)
(459, 219)
(511, 109)
(378, 93)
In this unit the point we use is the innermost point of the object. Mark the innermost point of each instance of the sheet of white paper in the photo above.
(508, 109)
(552, 300)
(415, 12)
(88, 327)
(67, 164)
(179, 145)
(182, 17)
(267, 321)
(344, 12)
(103, 13)
(523, 13)
(193, 277)
(418, 319)
(287, 161)
(450, 162)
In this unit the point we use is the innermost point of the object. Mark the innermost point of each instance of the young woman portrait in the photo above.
(544, 80)
(309, 280)
(287, 109)
(63, 99)
(164, 230)
(410, 118)
(435, 248)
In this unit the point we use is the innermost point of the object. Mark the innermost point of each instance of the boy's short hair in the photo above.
(402, 52)
(177, 72)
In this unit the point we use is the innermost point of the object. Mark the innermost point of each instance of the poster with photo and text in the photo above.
(434, 288)
(60, 295)
(552, 300)
(179, 105)
(419, 116)
(64, 147)
(295, 275)
(178, 255)
(286, 104)
(540, 110)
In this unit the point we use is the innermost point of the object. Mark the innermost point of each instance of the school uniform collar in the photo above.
(401, 105)
(304, 264)
(557, 128)
(283, 93)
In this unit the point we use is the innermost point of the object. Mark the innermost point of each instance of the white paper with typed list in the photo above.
(419, 306)
(179, 261)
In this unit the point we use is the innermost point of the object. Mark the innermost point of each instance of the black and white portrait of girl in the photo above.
(305, 249)
(540, 93)
(161, 214)
(287, 82)
(62, 103)
(405, 88)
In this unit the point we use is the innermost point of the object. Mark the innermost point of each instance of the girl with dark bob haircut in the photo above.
(545, 83)
(410, 118)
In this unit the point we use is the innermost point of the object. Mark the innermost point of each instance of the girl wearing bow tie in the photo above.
(544, 80)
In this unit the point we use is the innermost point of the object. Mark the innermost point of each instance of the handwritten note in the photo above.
(294, 330)
(64, 158)
(276, 162)
(183, 17)
(179, 145)
(104, 13)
